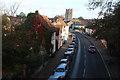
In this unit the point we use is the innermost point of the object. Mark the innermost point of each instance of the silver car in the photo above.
(70, 50)
(68, 55)
(61, 70)
(55, 77)
(64, 60)
(71, 46)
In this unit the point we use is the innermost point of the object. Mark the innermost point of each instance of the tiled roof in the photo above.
(46, 22)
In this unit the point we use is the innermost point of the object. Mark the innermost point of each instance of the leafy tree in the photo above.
(17, 48)
(48, 45)
(106, 6)
(109, 29)
(29, 20)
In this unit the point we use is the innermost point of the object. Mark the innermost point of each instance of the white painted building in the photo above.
(65, 33)
(88, 30)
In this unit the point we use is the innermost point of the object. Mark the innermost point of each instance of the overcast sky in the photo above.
(52, 8)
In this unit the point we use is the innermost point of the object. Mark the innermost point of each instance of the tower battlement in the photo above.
(68, 14)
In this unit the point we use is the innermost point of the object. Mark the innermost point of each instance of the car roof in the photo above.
(63, 59)
(74, 37)
(72, 42)
(68, 52)
(71, 45)
(70, 48)
(62, 65)
(92, 46)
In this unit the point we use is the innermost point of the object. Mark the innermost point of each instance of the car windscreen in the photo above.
(60, 70)
(69, 49)
(63, 62)
(92, 47)
(71, 46)
(72, 43)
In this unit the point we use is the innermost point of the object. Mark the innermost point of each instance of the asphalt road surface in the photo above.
(86, 65)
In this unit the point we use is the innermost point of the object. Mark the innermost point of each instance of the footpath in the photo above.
(111, 63)
(47, 70)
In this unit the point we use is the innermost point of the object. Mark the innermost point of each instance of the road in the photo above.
(87, 65)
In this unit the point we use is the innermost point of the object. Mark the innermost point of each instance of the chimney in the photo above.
(60, 18)
(37, 12)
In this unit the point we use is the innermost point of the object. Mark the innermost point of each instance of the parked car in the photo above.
(71, 46)
(72, 43)
(55, 77)
(92, 49)
(68, 55)
(61, 70)
(70, 50)
(64, 60)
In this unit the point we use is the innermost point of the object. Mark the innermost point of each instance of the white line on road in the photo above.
(105, 64)
(77, 61)
(84, 62)
(85, 56)
(84, 73)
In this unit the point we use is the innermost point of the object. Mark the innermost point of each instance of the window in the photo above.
(39, 24)
(60, 70)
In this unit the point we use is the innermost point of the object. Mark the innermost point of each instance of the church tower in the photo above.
(68, 14)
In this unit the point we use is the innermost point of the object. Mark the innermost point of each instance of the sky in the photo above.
(52, 8)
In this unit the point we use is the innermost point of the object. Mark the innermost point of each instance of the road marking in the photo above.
(84, 57)
(105, 64)
(84, 73)
(84, 62)
(102, 60)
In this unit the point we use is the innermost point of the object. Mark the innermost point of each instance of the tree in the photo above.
(11, 10)
(17, 49)
(106, 6)
(80, 18)
(29, 20)
(108, 27)
(5, 20)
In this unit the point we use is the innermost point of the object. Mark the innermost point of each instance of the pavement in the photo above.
(111, 62)
(46, 71)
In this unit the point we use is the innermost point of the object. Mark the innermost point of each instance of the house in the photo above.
(58, 28)
(65, 33)
(41, 24)
(16, 20)
(59, 34)
(90, 30)
(63, 30)
(80, 26)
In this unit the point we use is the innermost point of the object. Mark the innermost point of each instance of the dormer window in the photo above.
(39, 24)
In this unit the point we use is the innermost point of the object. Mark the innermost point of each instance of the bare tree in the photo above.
(12, 10)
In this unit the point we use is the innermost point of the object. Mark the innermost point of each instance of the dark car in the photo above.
(92, 49)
